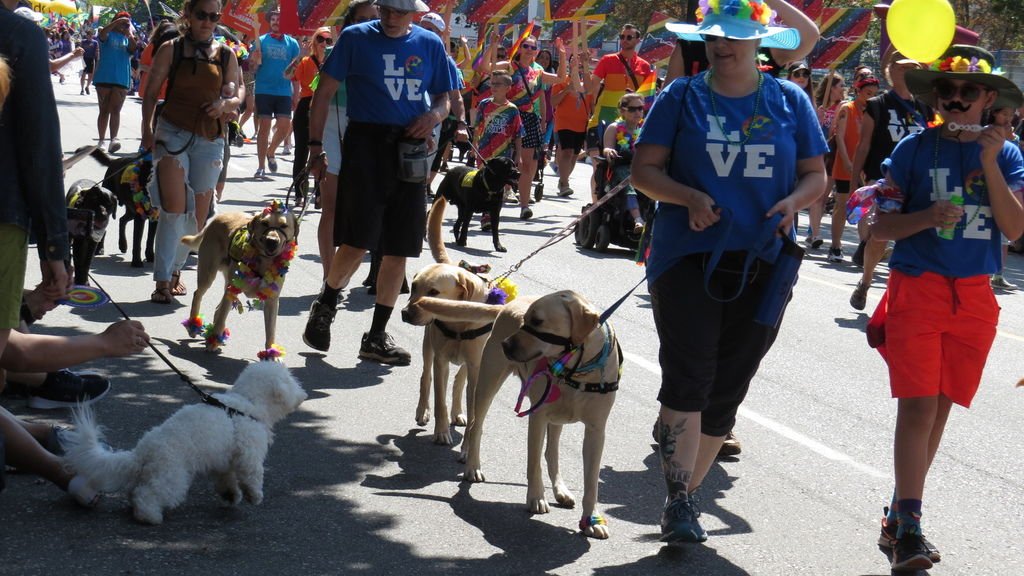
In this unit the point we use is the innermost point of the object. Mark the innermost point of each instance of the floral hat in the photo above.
(970, 63)
(737, 20)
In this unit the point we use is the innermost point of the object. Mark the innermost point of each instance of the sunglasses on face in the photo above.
(968, 93)
(709, 39)
(626, 37)
(324, 40)
(528, 47)
(800, 74)
(633, 108)
(203, 16)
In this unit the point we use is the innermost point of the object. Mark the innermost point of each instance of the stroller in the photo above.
(611, 223)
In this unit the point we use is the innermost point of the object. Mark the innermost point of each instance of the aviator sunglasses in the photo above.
(633, 108)
(203, 15)
(946, 90)
(325, 39)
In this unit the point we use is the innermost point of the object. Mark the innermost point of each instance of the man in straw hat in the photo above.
(946, 201)
(730, 143)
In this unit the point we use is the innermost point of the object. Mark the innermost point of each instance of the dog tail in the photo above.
(193, 242)
(434, 221)
(107, 471)
(100, 156)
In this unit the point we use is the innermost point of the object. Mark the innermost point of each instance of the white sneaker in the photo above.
(114, 146)
(287, 150)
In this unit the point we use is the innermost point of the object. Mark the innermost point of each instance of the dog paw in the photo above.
(232, 496)
(599, 532)
(122, 246)
(473, 475)
(459, 420)
(443, 439)
(538, 505)
(254, 497)
(149, 516)
(422, 415)
(564, 498)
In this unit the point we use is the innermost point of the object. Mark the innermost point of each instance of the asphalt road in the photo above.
(353, 486)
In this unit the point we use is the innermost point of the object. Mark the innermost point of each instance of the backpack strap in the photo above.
(177, 55)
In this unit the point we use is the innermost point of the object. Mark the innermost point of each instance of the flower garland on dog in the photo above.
(500, 291)
(140, 194)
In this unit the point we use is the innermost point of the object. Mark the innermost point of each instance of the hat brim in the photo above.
(919, 82)
(420, 5)
(770, 36)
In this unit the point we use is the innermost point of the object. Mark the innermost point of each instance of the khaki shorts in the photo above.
(14, 247)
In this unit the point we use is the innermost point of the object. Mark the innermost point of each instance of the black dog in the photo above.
(90, 209)
(478, 191)
(121, 178)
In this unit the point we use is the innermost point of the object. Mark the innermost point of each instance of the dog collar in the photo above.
(232, 412)
(466, 335)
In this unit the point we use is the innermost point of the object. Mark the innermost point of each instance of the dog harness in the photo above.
(467, 182)
(557, 372)
(460, 336)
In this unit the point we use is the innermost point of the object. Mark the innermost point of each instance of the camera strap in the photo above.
(765, 248)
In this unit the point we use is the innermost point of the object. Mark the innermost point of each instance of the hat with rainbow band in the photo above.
(737, 20)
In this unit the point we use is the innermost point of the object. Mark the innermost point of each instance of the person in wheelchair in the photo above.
(619, 139)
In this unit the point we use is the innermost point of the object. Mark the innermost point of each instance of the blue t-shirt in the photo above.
(114, 66)
(974, 248)
(388, 80)
(89, 47)
(748, 179)
(276, 55)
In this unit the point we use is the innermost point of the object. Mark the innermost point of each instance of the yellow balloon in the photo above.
(921, 29)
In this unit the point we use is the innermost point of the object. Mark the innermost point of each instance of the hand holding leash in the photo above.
(317, 163)
(703, 212)
(788, 211)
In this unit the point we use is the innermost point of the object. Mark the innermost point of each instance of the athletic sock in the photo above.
(329, 296)
(381, 315)
(909, 517)
(892, 518)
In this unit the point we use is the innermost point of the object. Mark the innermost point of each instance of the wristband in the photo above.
(315, 143)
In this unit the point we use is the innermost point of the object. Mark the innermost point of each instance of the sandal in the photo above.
(162, 295)
(177, 286)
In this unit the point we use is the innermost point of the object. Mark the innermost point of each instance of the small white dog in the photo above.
(197, 439)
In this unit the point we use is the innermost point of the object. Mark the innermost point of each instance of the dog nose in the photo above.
(508, 347)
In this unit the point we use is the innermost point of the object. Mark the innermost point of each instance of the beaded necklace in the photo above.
(714, 109)
(935, 178)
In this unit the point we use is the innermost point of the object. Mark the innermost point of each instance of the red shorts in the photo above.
(938, 332)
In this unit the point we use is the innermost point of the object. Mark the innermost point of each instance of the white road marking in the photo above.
(777, 427)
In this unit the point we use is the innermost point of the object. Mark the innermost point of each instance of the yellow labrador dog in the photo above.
(458, 341)
(253, 254)
(571, 361)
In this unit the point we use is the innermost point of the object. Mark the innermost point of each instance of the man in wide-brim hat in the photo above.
(946, 203)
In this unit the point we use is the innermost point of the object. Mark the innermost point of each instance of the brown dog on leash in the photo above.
(571, 364)
(253, 254)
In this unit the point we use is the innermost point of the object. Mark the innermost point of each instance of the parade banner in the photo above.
(597, 32)
(577, 9)
(659, 41)
(481, 11)
(316, 13)
(843, 32)
(241, 14)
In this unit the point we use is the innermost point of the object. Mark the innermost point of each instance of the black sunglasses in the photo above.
(800, 73)
(633, 108)
(946, 90)
(325, 39)
(710, 38)
(203, 15)
(626, 37)
(528, 47)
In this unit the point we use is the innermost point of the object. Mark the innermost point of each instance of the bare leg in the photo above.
(262, 139)
(345, 263)
(25, 453)
(527, 169)
(325, 232)
(389, 280)
(116, 102)
(103, 96)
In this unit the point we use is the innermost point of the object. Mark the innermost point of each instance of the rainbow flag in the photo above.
(316, 13)
(843, 31)
(527, 31)
(597, 32)
(480, 11)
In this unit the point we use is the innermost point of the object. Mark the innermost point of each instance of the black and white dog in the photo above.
(475, 191)
(90, 208)
(127, 178)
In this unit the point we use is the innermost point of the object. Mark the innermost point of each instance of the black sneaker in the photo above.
(317, 334)
(382, 348)
(679, 522)
(65, 389)
(887, 538)
(910, 554)
(858, 256)
(859, 298)
(835, 255)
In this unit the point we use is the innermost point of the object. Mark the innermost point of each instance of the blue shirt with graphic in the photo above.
(115, 64)
(276, 55)
(378, 69)
(746, 176)
(924, 176)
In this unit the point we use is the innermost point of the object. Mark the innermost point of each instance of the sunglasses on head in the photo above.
(325, 39)
(946, 90)
(203, 16)
(626, 37)
(633, 108)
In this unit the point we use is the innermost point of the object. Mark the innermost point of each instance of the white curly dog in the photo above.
(198, 439)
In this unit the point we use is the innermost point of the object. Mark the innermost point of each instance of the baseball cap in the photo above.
(434, 19)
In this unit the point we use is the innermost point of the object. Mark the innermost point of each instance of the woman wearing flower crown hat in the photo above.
(723, 152)
(947, 201)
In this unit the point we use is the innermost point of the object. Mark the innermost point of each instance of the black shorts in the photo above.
(448, 129)
(710, 350)
(531, 124)
(842, 186)
(376, 211)
(571, 140)
(268, 106)
(90, 65)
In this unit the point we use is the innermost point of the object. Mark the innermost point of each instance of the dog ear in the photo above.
(467, 286)
(584, 317)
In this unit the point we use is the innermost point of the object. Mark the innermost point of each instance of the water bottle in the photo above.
(947, 232)
(780, 285)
